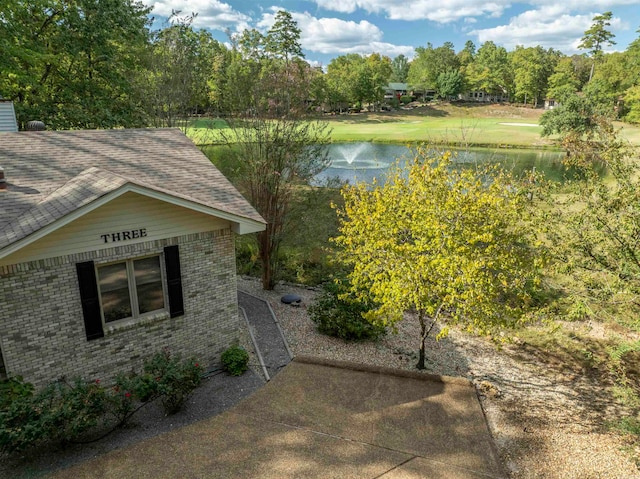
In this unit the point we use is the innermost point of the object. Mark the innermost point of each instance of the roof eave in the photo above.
(239, 224)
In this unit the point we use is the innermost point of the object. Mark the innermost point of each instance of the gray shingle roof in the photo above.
(51, 174)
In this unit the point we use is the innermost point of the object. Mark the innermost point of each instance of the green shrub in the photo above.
(12, 389)
(64, 411)
(235, 360)
(404, 99)
(174, 379)
(337, 312)
(59, 412)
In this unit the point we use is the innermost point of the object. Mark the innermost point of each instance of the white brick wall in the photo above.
(42, 333)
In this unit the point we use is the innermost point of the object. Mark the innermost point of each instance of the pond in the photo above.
(357, 162)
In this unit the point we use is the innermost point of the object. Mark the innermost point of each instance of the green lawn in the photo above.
(460, 125)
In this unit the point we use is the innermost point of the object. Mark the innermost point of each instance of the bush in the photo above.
(404, 99)
(64, 411)
(174, 380)
(337, 312)
(59, 412)
(235, 360)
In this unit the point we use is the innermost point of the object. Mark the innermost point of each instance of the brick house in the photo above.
(114, 244)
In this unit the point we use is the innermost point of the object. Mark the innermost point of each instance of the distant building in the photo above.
(483, 97)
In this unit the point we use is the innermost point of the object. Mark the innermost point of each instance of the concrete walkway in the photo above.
(324, 419)
(270, 344)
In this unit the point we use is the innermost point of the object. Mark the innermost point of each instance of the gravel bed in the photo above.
(547, 423)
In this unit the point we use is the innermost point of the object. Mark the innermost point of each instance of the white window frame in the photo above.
(133, 294)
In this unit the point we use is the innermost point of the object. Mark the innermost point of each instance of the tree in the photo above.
(277, 148)
(430, 62)
(596, 37)
(283, 38)
(182, 63)
(399, 69)
(440, 241)
(575, 116)
(75, 64)
(467, 54)
(449, 84)
(490, 71)
(275, 156)
(532, 68)
(594, 227)
(564, 80)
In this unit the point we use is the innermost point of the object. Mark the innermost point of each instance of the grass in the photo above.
(493, 126)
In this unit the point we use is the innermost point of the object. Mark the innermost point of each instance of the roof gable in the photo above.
(53, 174)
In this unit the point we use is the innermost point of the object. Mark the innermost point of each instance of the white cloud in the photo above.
(336, 36)
(212, 14)
(442, 11)
(549, 26)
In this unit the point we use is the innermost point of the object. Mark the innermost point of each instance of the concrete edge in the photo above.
(275, 320)
(255, 345)
(369, 368)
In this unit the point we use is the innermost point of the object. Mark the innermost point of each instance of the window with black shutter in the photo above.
(174, 280)
(90, 300)
(129, 289)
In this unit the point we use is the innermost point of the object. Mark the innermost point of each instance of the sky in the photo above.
(330, 28)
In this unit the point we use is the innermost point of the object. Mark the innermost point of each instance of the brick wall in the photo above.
(42, 333)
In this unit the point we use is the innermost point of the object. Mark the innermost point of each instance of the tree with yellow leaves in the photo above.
(444, 242)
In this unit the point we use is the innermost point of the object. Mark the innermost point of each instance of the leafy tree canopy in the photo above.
(442, 241)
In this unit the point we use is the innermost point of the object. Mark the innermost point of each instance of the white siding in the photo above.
(7, 117)
(128, 212)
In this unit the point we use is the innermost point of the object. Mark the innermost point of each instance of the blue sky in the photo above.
(334, 27)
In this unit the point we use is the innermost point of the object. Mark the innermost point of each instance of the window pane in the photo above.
(114, 291)
(148, 284)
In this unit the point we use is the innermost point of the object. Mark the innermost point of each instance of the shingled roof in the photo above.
(52, 174)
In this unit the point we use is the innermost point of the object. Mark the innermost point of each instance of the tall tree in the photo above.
(531, 68)
(564, 81)
(183, 61)
(449, 84)
(283, 38)
(429, 63)
(596, 37)
(399, 69)
(442, 242)
(75, 64)
(490, 71)
(277, 147)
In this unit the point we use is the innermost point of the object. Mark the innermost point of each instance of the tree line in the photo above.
(99, 64)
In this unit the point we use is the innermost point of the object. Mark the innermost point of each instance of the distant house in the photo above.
(483, 97)
(550, 103)
(114, 244)
(7, 116)
(395, 90)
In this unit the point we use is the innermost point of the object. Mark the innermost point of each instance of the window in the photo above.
(130, 288)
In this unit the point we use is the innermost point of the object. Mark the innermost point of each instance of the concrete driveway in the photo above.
(323, 419)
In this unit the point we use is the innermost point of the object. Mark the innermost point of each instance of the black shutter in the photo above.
(90, 301)
(174, 280)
